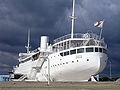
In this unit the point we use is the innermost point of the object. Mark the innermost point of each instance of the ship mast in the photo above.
(73, 18)
(28, 43)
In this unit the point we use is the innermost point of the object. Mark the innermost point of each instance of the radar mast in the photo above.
(73, 19)
(28, 43)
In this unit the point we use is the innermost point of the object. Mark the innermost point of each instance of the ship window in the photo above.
(89, 49)
(36, 56)
(77, 61)
(100, 49)
(73, 51)
(66, 53)
(72, 61)
(104, 51)
(66, 62)
(27, 59)
(64, 45)
(81, 50)
(61, 54)
(96, 49)
(67, 44)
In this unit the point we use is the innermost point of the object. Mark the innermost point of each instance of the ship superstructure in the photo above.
(73, 57)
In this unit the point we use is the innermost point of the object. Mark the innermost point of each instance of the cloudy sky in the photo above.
(51, 18)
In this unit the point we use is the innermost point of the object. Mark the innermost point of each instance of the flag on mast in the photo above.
(99, 24)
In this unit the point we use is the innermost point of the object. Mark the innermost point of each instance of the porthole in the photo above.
(72, 61)
(87, 59)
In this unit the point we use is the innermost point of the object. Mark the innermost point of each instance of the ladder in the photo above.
(36, 68)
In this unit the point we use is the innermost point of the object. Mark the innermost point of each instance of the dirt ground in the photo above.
(59, 86)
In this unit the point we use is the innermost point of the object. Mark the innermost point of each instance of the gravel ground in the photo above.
(60, 86)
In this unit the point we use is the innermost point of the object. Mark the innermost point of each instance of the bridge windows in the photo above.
(81, 50)
(61, 54)
(73, 51)
(89, 49)
(96, 49)
(100, 49)
(66, 53)
(104, 51)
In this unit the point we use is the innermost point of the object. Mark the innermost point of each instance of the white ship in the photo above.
(73, 57)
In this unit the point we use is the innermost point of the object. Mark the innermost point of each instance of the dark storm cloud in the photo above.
(89, 11)
(51, 17)
(7, 60)
(17, 16)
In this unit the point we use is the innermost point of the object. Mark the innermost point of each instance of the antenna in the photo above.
(73, 18)
(28, 44)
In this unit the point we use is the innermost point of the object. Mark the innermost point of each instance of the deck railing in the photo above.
(78, 35)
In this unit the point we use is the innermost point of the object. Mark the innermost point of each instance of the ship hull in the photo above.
(79, 67)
